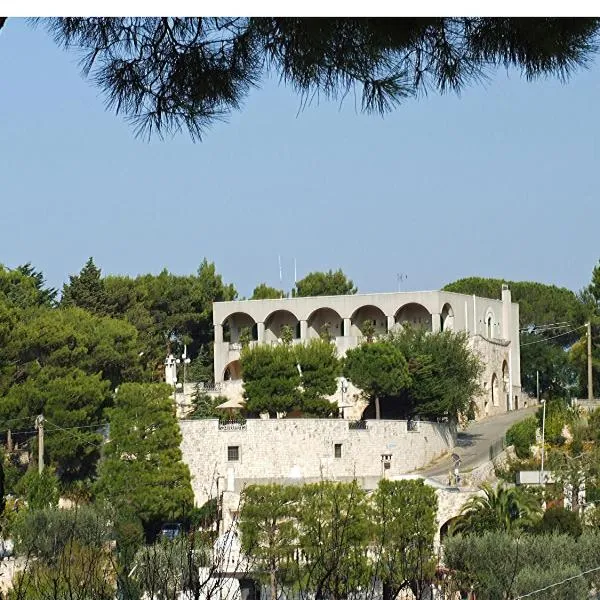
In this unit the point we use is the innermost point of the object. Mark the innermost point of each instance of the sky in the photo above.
(499, 182)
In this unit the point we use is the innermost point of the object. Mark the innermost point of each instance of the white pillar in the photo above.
(436, 322)
(303, 330)
(506, 313)
(474, 315)
(347, 326)
(391, 321)
(218, 334)
(260, 332)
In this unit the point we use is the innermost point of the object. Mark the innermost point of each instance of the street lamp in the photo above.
(543, 436)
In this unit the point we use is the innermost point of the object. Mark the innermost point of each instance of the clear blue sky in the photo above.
(501, 182)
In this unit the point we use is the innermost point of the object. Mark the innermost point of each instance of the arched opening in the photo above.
(447, 318)
(490, 329)
(506, 384)
(275, 323)
(233, 371)
(414, 314)
(325, 322)
(238, 326)
(446, 528)
(368, 321)
(495, 391)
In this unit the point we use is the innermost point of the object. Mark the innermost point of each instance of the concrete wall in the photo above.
(304, 450)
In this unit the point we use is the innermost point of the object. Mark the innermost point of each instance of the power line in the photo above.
(558, 583)
(75, 435)
(554, 336)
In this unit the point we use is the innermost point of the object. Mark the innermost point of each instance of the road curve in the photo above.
(473, 445)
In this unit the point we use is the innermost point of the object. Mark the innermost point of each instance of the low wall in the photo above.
(304, 450)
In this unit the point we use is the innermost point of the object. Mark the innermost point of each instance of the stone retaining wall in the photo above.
(303, 450)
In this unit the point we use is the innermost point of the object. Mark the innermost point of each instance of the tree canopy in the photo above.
(265, 292)
(286, 378)
(142, 469)
(171, 74)
(319, 283)
(379, 369)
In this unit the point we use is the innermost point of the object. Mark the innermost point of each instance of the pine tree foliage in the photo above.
(171, 74)
(142, 468)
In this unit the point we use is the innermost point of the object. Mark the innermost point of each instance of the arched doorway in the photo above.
(447, 318)
(506, 384)
(239, 325)
(495, 391)
(416, 315)
(368, 321)
(275, 323)
(324, 322)
(233, 371)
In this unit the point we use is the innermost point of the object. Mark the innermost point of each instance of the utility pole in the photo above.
(589, 362)
(39, 423)
(537, 386)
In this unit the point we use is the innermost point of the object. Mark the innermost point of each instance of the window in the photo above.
(233, 453)
(337, 450)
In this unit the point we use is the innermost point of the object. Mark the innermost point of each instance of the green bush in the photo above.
(560, 520)
(522, 436)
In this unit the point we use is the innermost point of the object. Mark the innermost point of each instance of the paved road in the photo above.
(473, 445)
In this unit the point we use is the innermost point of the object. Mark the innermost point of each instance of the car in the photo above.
(171, 530)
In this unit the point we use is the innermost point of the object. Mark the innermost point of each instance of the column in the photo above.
(436, 322)
(303, 330)
(347, 325)
(391, 321)
(218, 334)
(260, 332)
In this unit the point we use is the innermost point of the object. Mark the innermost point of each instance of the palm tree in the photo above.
(499, 509)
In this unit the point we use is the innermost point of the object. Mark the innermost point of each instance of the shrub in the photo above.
(522, 436)
(560, 520)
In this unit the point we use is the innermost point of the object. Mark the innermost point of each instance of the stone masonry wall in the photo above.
(303, 450)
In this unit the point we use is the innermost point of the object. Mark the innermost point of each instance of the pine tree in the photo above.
(86, 290)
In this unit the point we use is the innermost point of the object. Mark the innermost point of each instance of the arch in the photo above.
(446, 527)
(505, 377)
(368, 317)
(495, 391)
(415, 314)
(490, 324)
(447, 318)
(235, 324)
(233, 371)
(277, 320)
(324, 319)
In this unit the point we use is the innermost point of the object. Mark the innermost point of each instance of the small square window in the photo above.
(233, 453)
(337, 450)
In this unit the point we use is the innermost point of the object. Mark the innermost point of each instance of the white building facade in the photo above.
(491, 325)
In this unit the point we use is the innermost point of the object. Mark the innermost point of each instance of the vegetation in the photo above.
(171, 74)
(500, 509)
(331, 283)
(521, 435)
(522, 564)
(286, 378)
(142, 469)
(444, 373)
(265, 292)
(379, 369)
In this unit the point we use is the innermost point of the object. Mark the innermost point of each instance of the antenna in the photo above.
(295, 272)
(280, 270)
(400, 277)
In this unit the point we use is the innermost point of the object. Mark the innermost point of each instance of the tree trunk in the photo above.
(389, 591)
(273, 585)
(377, 409)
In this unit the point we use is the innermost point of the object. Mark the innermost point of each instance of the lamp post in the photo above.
(543, 437)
